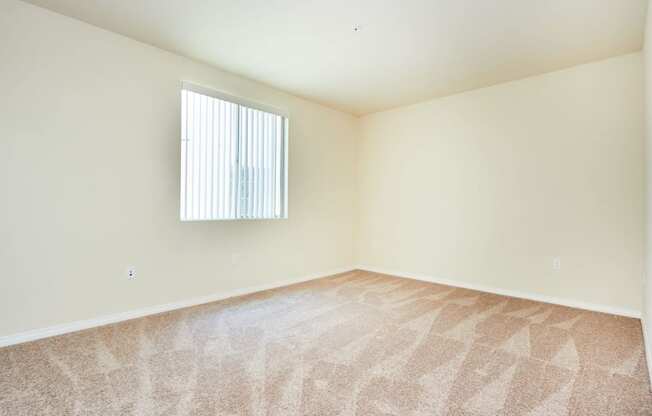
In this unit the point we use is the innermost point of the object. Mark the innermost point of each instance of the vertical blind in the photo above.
(233, 158)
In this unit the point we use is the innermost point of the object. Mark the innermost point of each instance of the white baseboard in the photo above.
(647, 344)
(631, 313)
(152, 310)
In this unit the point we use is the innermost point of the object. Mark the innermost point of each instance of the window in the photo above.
(233, 158)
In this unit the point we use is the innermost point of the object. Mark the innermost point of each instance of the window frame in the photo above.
(284, 148)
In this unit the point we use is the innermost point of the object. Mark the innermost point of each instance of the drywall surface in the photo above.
(647, 293)
(89, 180)
(489, 187)
(485, 188)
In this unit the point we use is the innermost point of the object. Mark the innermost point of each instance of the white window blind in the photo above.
(233, 158)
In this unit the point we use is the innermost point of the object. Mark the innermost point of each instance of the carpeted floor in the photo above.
(353, 344)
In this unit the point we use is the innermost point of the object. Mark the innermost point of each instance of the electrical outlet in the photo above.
(556, 263)
(131, 273)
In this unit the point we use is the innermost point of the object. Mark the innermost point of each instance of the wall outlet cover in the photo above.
(131, 273)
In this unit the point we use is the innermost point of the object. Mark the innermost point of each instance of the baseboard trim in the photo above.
(61, 329)
(647, 344)
(630, 313)
(66, 328)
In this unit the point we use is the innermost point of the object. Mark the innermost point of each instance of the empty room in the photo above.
(325, 207)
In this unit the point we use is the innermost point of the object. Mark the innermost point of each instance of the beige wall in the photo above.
(486, 187)
(647, 313)
(89, 180)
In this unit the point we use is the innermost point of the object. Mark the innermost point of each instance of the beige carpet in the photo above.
(354, 344)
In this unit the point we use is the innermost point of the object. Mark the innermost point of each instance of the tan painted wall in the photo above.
(486, 187)
(483, 187)
(89, 179)
(647, 294)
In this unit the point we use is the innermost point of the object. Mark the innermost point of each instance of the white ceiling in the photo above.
(406, 50)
